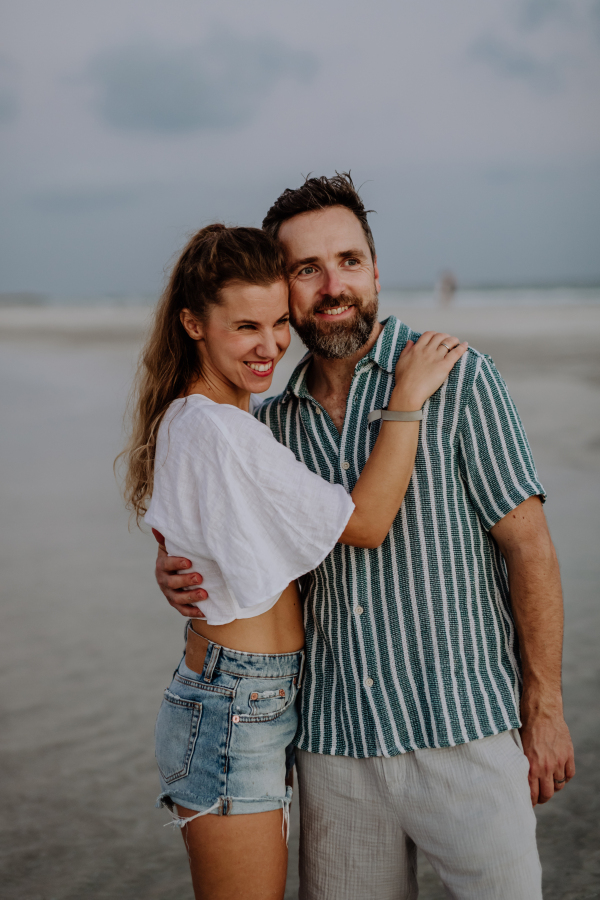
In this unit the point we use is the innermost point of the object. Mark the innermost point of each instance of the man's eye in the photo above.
(352, 262)
(307, 270)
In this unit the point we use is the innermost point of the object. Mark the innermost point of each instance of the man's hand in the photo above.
(536, 600)
(172, 585)
(548, 747)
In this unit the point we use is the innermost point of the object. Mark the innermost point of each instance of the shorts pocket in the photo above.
(175, 736)
(266, 705)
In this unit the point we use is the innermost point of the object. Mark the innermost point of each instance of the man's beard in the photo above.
(338, 340)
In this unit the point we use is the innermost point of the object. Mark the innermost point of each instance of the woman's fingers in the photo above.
(434, 340)
(448, 343)
(455, 354)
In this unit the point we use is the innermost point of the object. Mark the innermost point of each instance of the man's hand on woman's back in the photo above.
(174, 586)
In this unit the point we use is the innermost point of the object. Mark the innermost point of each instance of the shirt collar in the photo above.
(384, 353)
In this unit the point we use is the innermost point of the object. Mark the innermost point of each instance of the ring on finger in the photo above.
(560, 781)
(443, 344)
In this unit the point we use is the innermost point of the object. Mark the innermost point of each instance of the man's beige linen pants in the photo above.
(467, 808)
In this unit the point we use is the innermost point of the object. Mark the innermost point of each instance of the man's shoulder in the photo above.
(462, 377)
(269, 411)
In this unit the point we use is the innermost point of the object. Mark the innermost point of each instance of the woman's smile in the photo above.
(262, 369)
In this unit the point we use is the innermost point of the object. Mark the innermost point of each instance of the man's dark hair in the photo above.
(319, 193)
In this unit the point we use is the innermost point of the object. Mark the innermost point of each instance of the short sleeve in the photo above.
(265, 517)
(495, 458)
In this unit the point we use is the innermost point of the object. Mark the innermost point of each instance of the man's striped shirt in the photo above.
(413, 644)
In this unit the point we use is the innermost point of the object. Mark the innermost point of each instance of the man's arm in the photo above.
(536, 599)
(173, 585)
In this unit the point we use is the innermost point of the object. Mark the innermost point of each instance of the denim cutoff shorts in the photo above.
(224, 738)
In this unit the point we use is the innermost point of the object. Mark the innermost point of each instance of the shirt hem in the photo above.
(515, 722)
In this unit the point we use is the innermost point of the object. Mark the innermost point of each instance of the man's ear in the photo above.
(191, 324)
(376, 274)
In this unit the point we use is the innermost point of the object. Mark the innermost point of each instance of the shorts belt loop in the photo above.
(301, 672)
(212, 662)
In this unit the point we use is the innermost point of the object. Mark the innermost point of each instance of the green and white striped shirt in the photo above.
(413, 644)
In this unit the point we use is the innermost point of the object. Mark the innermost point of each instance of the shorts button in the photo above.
(368, 682)
(236, 719)
(358, 610)
(254, 696)
(345, 465)
(281, 692)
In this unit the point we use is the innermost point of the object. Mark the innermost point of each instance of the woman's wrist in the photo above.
(404, 401)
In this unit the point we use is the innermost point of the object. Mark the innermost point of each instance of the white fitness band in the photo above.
(389, 415)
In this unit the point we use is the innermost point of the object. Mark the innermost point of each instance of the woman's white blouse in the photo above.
(239, 506)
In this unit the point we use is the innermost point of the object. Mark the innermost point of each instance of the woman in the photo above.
(252, 519)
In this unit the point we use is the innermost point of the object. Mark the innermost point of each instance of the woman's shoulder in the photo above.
(218, 424)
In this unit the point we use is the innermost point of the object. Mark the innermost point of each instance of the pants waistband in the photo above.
(205, 657)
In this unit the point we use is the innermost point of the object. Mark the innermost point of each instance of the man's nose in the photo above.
(332, 284)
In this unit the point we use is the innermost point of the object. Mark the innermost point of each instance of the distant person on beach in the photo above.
(447, 287)
(222, 491)
(431, 709)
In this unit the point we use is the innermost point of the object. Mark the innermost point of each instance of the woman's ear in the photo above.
(191, 324)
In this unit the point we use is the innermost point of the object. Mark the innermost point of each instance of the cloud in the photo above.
(9, 106)
(533, 14)
(82, 199)
(218, 84)
(511, 62)
(595, 17)
(575, 15)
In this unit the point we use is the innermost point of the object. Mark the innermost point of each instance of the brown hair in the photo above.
(169, 362)
(319, 193)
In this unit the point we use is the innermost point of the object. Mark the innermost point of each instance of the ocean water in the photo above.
(422, 298)
(473, 298)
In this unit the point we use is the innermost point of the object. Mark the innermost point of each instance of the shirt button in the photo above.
(368, 682)
(318, 411)
(345, 465)
(358, 610)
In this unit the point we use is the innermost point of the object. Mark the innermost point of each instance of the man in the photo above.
(416, 650)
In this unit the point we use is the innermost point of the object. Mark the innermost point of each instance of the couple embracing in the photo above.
(380, 596)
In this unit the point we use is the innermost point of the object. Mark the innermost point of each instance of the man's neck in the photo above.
(329, 380)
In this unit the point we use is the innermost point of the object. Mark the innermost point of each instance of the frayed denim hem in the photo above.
(225, 807)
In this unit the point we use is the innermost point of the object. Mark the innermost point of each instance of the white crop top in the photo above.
(239, 506)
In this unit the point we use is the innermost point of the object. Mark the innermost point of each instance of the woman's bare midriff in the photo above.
(279, 630)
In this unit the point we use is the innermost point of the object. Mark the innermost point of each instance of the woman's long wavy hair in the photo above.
(170, 362)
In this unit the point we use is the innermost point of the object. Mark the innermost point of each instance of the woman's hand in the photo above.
(423, 367)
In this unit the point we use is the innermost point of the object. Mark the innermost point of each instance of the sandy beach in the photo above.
(88, 642)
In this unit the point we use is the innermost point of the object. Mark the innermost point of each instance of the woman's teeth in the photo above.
(260, 367)
(335, 312)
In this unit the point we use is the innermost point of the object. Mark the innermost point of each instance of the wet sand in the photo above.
(88, 643)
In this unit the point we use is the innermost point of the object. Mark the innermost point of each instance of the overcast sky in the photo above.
(474, 126)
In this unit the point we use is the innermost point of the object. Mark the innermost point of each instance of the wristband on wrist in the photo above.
(389, 415)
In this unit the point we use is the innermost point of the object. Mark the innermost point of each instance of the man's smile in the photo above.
(333, 311)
